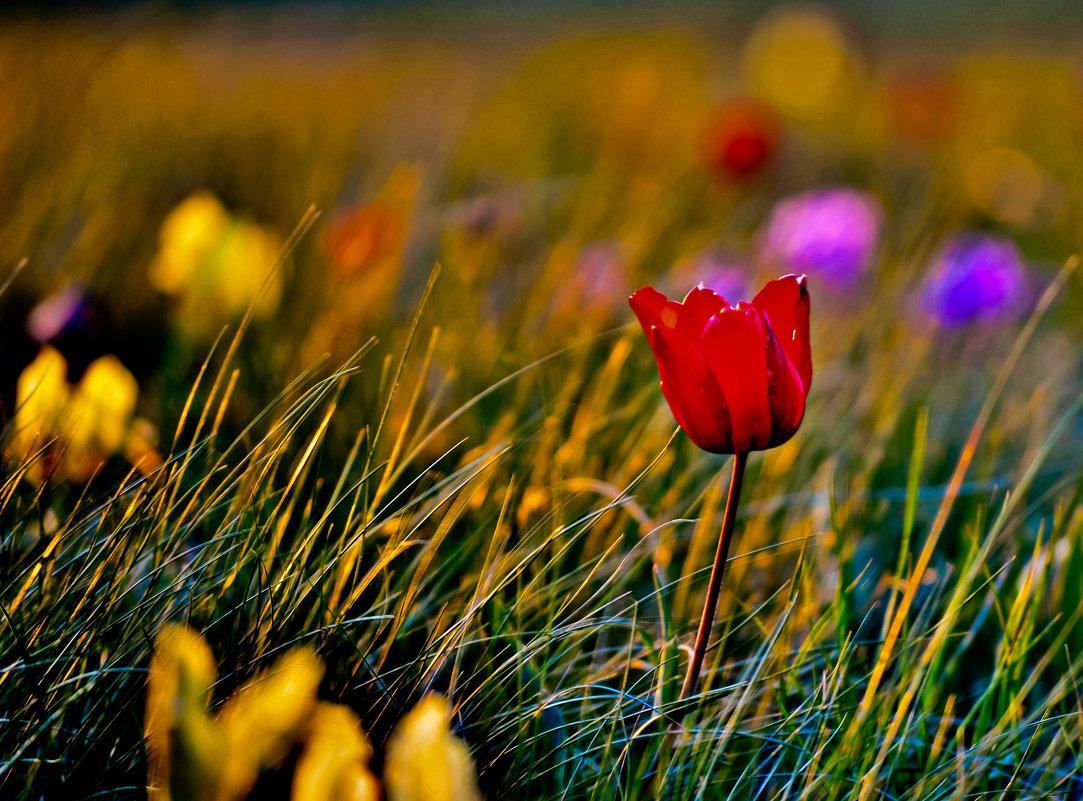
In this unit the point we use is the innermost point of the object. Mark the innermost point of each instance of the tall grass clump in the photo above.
(534, 576)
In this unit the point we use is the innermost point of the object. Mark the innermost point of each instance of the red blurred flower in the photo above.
(360, 237)
(736, 377)
(741, 138)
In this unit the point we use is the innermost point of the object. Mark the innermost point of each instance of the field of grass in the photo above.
(400, 412)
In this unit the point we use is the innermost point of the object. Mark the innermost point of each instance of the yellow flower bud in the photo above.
(41, 395)
(334, 763)
(425, 761)
(184, 748)
(262, 720)
(187, 236)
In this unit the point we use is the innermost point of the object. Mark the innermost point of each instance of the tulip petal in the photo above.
(785, 392)
(693, 394)
(699, 306)
(654, 309)
(785, 301)
(735, 348)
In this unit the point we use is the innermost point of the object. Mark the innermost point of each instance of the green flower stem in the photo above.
(719, 569)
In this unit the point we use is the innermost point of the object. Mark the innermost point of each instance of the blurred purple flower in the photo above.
(68, 311)
(828, 233)
(975, 277)
(599, 270)
(724, 276)
(588, 277)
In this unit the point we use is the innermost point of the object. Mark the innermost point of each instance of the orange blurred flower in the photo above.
(360, 237)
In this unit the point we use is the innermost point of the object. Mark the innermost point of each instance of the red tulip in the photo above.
(736, 377)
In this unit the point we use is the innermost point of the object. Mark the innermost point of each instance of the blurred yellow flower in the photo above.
(192, 755)
(99, 412)
(243, 261)
(214, 263)
(184, 747)
(425, 761)
(87, 423)
(800, 60)
(187, 236)
(263, 719)
(41, 395)
(334, 762)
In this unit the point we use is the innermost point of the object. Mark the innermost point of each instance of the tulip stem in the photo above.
(719, 569)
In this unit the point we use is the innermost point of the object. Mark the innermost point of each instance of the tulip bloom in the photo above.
(736, 378)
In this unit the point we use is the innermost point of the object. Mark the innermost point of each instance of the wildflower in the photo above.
(360, 237)
(76, 428)
(802, 61)
(828, 233)
(263, 719)
(187, 236)
(365, 248)
(69, 314)
(193, 755)
(736, 377)
(975, 278)
(425, 761)
(41, 395)
(214, 264)
(334, 762)
(183, 744)
(741, 138)
(370, 237)
(99, 414)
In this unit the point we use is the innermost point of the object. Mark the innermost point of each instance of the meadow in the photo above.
(315, 339)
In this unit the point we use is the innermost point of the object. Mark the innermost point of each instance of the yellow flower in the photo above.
(425, 761)
(214, 263)
(800, 60)
(240, 266)
(334, 762)
(41, 396)
(85, 423)
(262, 720)
(184, 747)
(192, 756)
(187, 236)
(98, 415)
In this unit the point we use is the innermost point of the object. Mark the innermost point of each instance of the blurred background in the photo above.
(918, 159)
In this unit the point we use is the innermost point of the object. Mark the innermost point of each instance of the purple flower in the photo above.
(724, 277)
(69, 312)
(975, 278)
(829, 233)
(600, 269)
